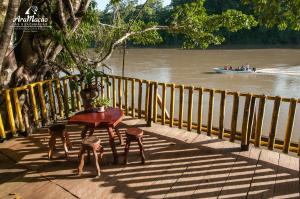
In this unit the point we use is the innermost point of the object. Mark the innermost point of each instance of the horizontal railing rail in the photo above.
(232, 115)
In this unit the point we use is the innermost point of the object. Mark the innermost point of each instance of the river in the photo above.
(279, 72)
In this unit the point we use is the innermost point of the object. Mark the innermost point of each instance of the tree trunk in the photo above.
(7, 30)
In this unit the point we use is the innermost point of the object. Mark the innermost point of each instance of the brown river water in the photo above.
(279, 74)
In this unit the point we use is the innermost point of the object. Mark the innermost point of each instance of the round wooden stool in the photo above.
(58, 131)
(134, 134)
(90, 143)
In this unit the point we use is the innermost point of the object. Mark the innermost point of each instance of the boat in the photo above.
(233, 71)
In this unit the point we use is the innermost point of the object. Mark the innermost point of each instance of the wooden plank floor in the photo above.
(180, 164)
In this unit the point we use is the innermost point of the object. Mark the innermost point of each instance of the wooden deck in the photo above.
(179, 164)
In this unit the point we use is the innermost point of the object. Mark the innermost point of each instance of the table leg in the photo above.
(120, 136)
(112, 144)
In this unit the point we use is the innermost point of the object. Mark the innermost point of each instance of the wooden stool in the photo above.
(134, 134)
(90, 143)
(58, 131)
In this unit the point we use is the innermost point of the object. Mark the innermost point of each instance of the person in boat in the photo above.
(247, 67)
(230, 67)
(225, 68)
(254, 69)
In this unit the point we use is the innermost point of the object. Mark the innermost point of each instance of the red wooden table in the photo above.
(92, 119)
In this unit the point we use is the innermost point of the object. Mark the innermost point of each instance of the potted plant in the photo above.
(87, 80)
(101, 103)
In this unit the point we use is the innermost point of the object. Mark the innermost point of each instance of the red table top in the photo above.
(111, 117)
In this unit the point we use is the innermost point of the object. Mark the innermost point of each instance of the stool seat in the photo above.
(90, 143)
(135, 132)
(57, 127)
(58, 131)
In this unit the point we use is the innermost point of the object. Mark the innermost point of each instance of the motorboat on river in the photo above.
(231, 70)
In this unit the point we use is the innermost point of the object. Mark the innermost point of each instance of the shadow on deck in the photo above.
(179, 164)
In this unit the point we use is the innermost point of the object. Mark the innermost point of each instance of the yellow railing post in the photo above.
(78, 97)
(260, 119)
(2, 131)
(72, 94)
(181, 106)
(120, 89)
(10, 113)
(102, 87)
(235, 110)
(42, 102)
(244, 138)
(18, 110)
(114, 91)
(190, 109)
(140, 99)
(147, 99)
(126, 97)
(133, 97)
(210, 112)
(163, 107)
(172, 104)
(59, 98)
(222, 114)
(149, 116)
(200, 110)
(275, 115)
(51, 99)
(108, 88)
(155, 102)
(34, 106)
(66, 98)
(289, 126)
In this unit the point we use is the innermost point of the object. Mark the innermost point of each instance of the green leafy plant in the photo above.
(101, 101)
(88, 79)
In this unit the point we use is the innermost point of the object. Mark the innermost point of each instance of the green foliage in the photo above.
(145, 38)
(101, 101)
(88, 78)
(282, 14)
(201, 29)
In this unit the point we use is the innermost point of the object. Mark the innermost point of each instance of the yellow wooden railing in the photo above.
(56, 99)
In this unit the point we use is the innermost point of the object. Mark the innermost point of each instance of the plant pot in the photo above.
(87, 96)
(101, 109)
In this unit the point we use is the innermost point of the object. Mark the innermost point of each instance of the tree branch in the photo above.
(70, 6)
(83, 8)
(61, 15)
(126, 36)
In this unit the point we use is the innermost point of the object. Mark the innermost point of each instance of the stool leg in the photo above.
(127, 146)
(52, 142)
(88, 155)
(112, 144)
(101, 153)
(81, 161)
(141, 150)
(96, 161)
(64, 141)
